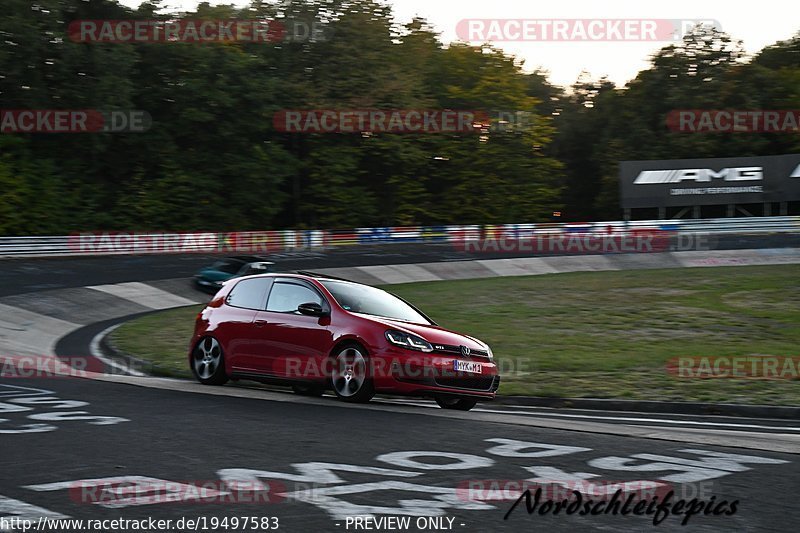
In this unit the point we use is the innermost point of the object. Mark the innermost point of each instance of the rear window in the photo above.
(249, 293)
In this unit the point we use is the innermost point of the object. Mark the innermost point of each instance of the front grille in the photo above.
(456, 350)
(483, 383)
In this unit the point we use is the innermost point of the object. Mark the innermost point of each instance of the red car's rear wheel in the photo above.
(350, 377)
(208, 362)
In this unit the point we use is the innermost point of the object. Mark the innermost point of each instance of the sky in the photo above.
(757, 25)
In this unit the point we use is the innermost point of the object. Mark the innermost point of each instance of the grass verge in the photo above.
(587, 334)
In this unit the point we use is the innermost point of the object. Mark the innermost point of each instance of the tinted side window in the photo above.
(249, 293)
(285, 297)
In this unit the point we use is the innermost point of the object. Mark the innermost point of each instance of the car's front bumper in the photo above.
(398, 371)
(207, 284)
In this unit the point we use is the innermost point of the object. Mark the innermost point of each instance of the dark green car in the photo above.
(212, 277)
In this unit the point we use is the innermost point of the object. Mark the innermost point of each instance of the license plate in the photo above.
(467, 366)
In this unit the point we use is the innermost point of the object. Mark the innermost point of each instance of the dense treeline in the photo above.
(213, 160)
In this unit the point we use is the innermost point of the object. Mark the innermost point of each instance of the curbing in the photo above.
(649, 406)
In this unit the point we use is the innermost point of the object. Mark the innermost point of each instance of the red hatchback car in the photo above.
(316, 333)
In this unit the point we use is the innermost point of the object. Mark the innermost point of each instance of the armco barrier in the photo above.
(118, 242)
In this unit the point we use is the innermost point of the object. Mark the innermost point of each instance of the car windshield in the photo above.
(230, 267)
(371, 301)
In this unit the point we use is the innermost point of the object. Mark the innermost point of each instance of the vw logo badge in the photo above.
(464, 351)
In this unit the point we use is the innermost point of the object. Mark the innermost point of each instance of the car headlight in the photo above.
(406, 340)
(489, 352)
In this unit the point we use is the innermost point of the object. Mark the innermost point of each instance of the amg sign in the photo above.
(686, 182)
(699, 175)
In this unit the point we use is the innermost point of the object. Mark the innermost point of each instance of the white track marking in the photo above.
(11, 508)
(633, 419)
(15, 391)
(24, 332)
(95, 351)
(391, 274)
(600, 417)
(144, 294)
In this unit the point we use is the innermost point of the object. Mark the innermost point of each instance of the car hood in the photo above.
(432, 334)
(214, 275)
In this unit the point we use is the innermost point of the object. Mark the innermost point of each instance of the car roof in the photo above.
(247, 258)
(305, 276)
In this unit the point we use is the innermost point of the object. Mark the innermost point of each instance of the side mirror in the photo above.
(311, 309)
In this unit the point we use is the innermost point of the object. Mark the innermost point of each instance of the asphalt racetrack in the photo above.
(244, 457)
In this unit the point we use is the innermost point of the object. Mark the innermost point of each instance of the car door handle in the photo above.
(260, 323)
